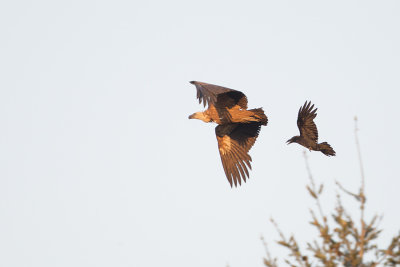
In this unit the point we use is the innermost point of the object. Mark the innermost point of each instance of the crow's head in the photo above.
(293, 140)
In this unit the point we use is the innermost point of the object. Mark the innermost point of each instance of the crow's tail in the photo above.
(326, 149)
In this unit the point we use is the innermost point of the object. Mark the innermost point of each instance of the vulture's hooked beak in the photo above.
(191, 116)
(289, 141)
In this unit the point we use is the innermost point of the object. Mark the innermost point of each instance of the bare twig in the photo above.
(362, 189)
(341, 187)
(291, 244)
(359, 154)
(314, 189)
(278, 229)
(268, 261)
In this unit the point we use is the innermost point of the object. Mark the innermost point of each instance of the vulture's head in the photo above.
(200, 116)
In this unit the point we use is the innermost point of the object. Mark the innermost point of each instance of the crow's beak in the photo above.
(288, 142)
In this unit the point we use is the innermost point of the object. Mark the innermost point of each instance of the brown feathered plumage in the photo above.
(308, 131)
(237, 129)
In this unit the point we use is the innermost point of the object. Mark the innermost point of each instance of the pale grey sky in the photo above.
(101, 167)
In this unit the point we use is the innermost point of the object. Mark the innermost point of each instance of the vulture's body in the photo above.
(237, 128)
(308, 131)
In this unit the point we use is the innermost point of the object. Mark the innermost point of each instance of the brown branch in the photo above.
(362, 189)
(314, 189)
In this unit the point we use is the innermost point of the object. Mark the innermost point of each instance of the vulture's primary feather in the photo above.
(308, 131)
(237, 129)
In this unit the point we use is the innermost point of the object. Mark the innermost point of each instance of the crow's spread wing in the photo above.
(305, 122)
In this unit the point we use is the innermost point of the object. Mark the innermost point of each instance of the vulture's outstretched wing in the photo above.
(234, 143)
(220, 97)
(305, 122)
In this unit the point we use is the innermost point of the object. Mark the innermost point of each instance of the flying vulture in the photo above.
(237, 128)
(308, 131)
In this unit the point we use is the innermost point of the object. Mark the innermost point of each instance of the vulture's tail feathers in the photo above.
(259, 113)
(326, 149)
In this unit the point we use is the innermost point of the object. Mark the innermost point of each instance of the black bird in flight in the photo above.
(308, 131)
(237, 129)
